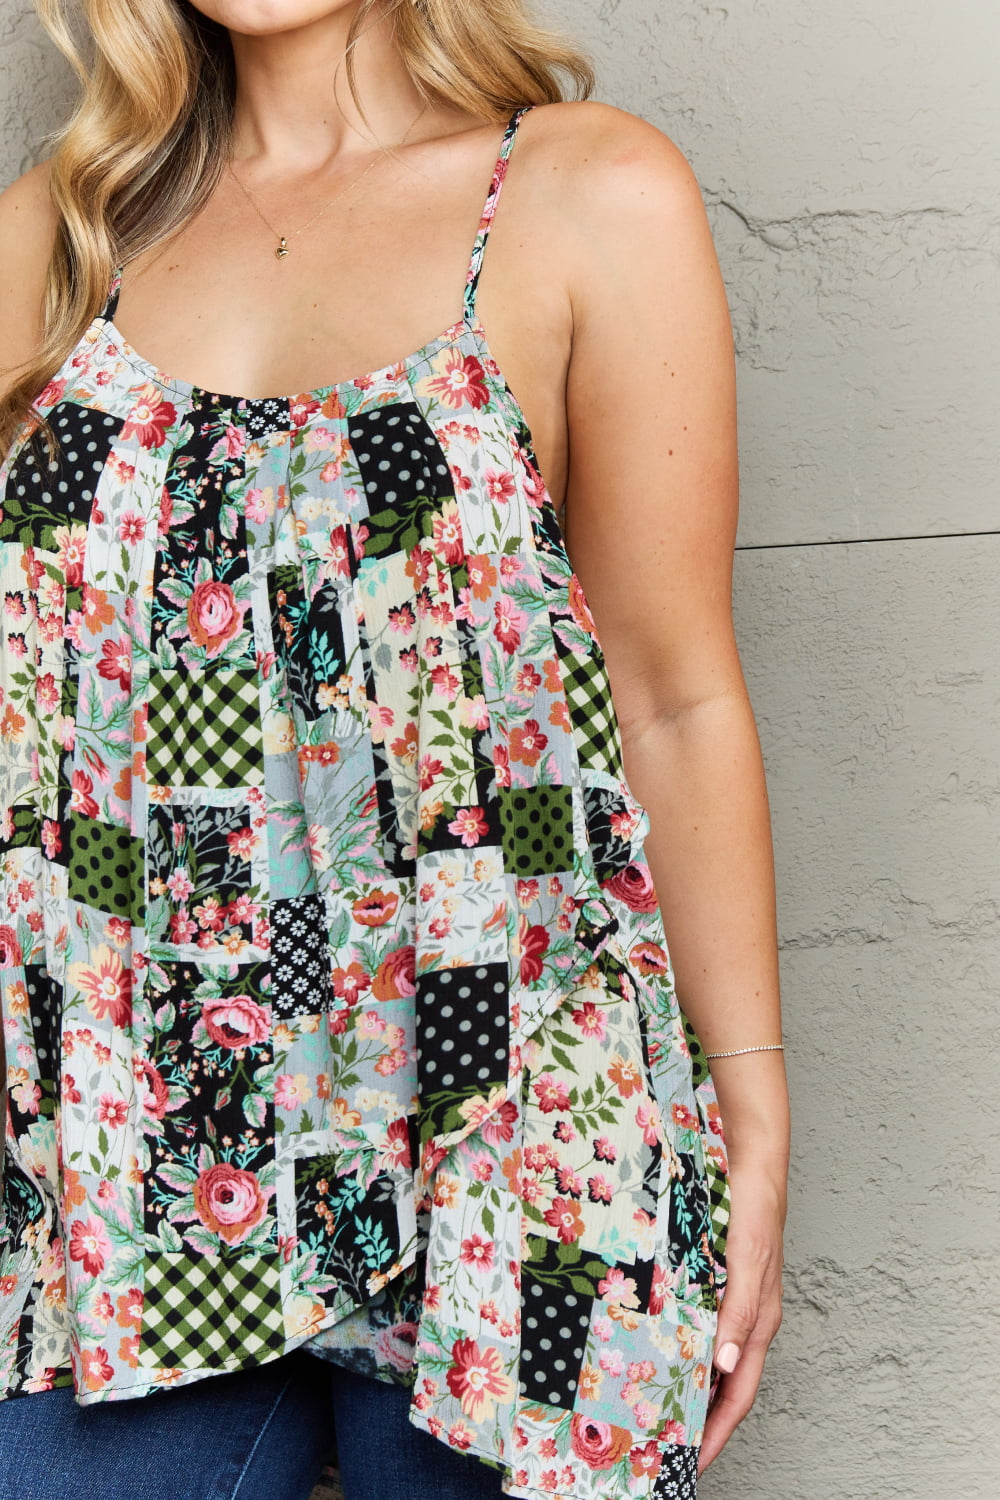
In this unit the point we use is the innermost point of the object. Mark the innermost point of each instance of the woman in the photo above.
(339, 1016)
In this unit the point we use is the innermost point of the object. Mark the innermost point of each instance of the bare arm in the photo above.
(27, 234)
(651, 521)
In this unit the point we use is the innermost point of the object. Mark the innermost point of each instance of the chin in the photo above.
(269, 17)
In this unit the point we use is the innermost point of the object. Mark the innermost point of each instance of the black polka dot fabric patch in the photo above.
(42, 492)
(404, 474)
(300, 959)
(106, 869)
(537, 823)
(554, 1325)
(462, 1037)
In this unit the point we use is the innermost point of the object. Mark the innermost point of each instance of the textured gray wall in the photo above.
(850, 157)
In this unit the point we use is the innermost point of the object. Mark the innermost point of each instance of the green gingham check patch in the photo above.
(202, 1310)
(718, 1197)
(591, 710)
(205, 728)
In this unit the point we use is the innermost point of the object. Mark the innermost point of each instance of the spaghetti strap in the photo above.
(114, 291)
(489, 210)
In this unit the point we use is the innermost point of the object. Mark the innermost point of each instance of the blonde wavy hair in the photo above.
(150, 133)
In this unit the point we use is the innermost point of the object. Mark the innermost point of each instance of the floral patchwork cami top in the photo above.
(337, 1009)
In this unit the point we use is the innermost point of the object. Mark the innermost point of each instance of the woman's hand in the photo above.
(750, 1314)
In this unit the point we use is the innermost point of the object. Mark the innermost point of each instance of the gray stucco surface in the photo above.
(849, 156)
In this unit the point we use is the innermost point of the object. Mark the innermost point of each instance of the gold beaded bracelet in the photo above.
(766, 1047)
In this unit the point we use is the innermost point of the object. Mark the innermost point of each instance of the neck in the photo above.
(294, 110)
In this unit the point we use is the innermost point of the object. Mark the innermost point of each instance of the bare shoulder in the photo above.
(28, 222)
(615, 170)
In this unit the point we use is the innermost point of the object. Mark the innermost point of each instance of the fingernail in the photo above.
(727, 1356)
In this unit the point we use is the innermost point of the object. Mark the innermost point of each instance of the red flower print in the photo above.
(591, 1021)
(10, 949)
(242, 843)
(72, 542)
(236, 1021)
(634, 886)
(89, 1244)
(470, 825)
(565, 1218)
(149, 418)
(463, 382)
(510, 622)
(646, 1461)
(375, 908)
(534, 944)
(112, 1111)
(599, 1189)
(477, 1252)
(402, 619)
(52, 393)
(527, 742)
(302, 408)
(551, 1093)
(448, 534)
(80, 800)
(599, 1444)
(604, 1150)
(683, 1118)
(500, 1124)
(428, 771)
(476, 1379)
(130, 1305)
(569, 1181)
(396, 976)
(116, 662)
(419, 564)
(165, 517)
(500, 486)
(661, 1282)
(97, 1369)
(396, 1152)
(229, 1202)
(70, 1093)
(106, 986)
(131, 528)
(672, 1431)
(445, 681)
(214, 615)
(501, 762)
(350, 983)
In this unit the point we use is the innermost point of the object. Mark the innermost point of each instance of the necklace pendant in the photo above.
(282, 249)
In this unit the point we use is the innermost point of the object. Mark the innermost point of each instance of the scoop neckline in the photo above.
(113, 335)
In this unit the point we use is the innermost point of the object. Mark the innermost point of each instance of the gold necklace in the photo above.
(282, 248)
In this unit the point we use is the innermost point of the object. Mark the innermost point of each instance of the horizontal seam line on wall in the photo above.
(855, 541)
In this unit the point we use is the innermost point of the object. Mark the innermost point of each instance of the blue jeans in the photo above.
(260, 1434)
